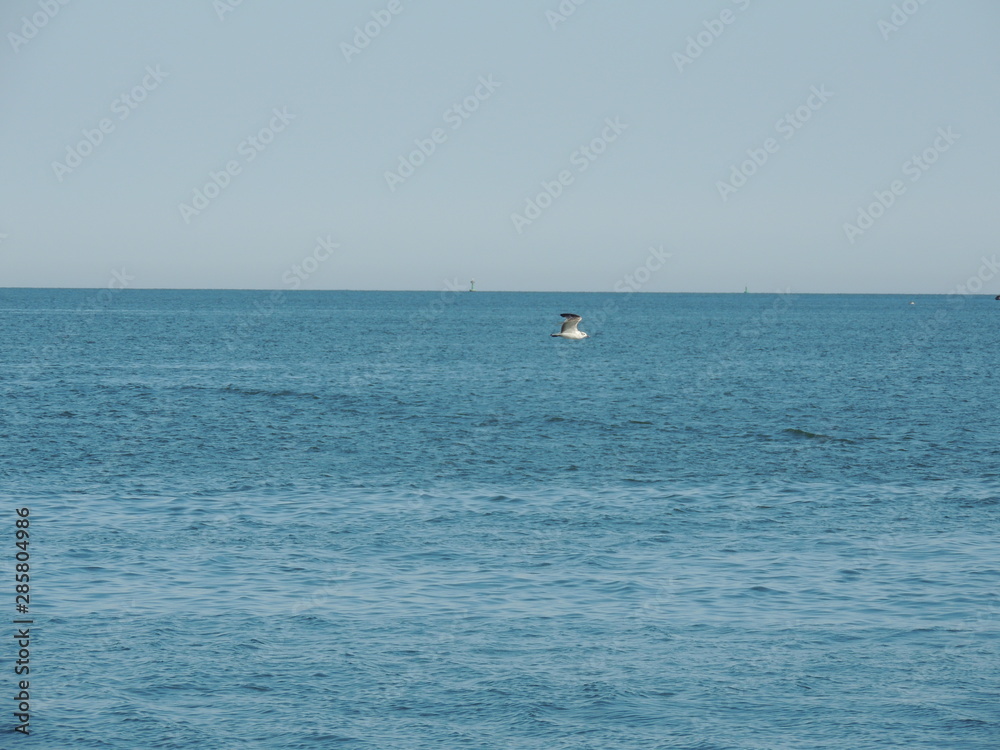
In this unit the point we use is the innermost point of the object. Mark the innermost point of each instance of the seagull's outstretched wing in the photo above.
(572, 321)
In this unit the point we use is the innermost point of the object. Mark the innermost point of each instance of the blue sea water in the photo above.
(383, 520)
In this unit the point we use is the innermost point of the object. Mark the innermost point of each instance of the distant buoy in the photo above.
(472, 285)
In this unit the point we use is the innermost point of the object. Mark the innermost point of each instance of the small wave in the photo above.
(264, 392)
(504, 499)
(765, 590)
(973, 502)
(806, 435)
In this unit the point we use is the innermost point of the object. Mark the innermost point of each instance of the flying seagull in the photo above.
(568, 330)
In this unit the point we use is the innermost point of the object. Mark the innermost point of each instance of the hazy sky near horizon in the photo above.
(827, 146)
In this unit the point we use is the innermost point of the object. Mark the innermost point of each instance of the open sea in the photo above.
(395, 520)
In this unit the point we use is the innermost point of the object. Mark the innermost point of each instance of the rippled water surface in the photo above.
(414, 520)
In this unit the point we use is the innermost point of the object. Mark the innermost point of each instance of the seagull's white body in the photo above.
(569, 330)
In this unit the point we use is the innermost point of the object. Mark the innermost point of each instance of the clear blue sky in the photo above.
(871, 93)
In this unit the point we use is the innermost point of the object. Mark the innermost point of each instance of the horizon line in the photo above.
(477, 291)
